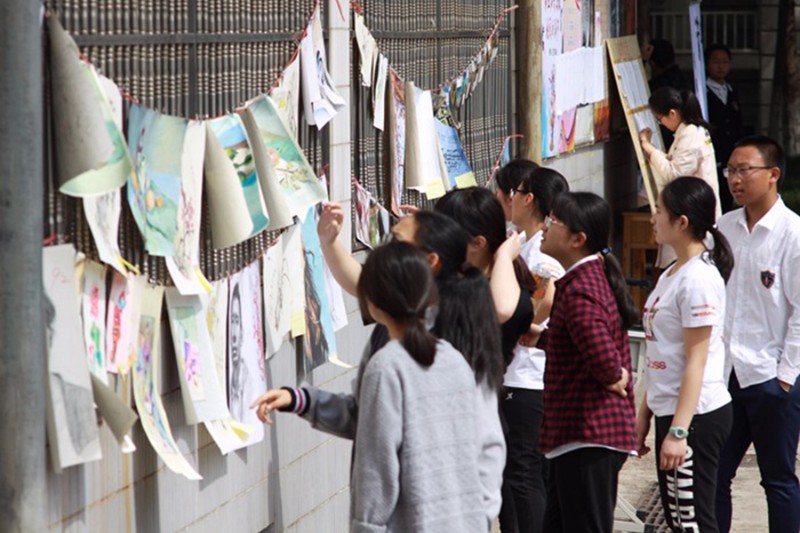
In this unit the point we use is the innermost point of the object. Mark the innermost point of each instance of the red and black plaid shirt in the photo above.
(586, 349)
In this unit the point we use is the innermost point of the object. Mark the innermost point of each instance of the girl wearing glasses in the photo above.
(691, 153)
(684, 378)
(589, 421)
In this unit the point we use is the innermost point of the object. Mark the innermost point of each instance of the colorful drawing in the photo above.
(71, 422)
(319, 341)
(231, 135)
(146, 386)
(397, 141)
(363, 202)
(124, 308)
(93, 312)
(201, 389)
(184, 266)
(293, 255)
(90, 149)
(246, 362)
(215, 304)
(156, 144)
(552, 46)
(379, 223)
(296, 179)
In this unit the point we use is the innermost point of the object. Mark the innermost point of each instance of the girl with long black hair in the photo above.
(685, 373)
(589, 420)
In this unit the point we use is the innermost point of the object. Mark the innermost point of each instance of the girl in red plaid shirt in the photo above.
(589, 414)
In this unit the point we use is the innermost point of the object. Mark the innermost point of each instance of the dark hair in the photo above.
(471, 329)
(695, 199)
(665, 98)
(589, 214)
(663, 54)
(479, 212)
(545, 184)
(716, 47)
(513, 173)
(771, 151)
(397, 279)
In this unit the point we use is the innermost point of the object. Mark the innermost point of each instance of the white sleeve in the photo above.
(701, 298)
(789, 365)
(683, 160)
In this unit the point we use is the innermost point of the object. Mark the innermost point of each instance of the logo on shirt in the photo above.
(767, 279)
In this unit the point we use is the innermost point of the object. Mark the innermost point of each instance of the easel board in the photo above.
(629, 75)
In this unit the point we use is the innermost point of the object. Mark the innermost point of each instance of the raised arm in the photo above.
(343, 266)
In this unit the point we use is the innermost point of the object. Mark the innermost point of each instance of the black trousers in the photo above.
(688, 492)
(582, 491)
(524, 486)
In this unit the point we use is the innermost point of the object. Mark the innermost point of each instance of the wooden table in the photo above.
(637, 240)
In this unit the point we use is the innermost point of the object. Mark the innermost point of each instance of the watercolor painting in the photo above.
(286, 96)
(215, 304)
(184, 265)
(146, 386)
(246, 363)
(154, 186)
(124, 308)
(319, 340)
(93, 312)
(232, 136)
(71, 422)
(296, 179)
(201, 388)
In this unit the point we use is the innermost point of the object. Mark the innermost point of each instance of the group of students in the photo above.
(455, 417)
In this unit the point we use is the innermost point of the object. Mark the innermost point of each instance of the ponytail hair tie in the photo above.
(605, 251)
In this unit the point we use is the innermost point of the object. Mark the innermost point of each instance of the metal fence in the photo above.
(191, 58)
(428, 42)
(736, 29)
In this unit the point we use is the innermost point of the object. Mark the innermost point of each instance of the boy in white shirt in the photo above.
(762, 332)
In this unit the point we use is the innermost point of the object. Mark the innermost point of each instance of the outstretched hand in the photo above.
(270, 401)
(330, 222)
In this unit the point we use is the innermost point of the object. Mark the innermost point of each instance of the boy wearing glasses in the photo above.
(762, 332)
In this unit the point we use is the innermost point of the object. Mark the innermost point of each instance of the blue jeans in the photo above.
(768, 417)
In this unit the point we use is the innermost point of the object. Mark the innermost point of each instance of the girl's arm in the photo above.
(344, 268)
(683, 160)
(643, 418)
(589, 330)
(696, 341)
(504, 285)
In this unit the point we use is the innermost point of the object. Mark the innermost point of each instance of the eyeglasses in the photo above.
(515, 192)
(741, 172)
(549, 221)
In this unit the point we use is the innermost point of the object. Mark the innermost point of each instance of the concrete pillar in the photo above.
(529, 54)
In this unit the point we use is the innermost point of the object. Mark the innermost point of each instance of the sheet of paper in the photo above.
(246, 363)
(89, 146)
(321, 101)
(291, 181)
(154, 186)
(277, 295)
(362, 215)
(293, 255)
(366, 51)
(122, 319)
(397, 141)
(114, 410)
(184, 266)
(203, 396)
(71, 422)
(146, 386)
(93, 313)
(459, 172)
(379, 93)
(286, 96)
(422, 171)
(227, 204)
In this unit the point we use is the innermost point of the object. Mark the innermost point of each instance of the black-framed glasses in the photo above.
(741, 172)
(515, 192)
(549, 221)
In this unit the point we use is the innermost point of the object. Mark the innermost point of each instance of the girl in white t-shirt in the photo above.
(684, 377)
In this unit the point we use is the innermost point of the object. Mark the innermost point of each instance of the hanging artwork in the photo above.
(246, 363)
(397, 141)
(156, 144)
(90, 149)
(232, 136)
(319, 339)
(459, 173)
(552, 46)
(379, 93)
(286, 96)
(146, 386)
(71, 422)
(277, 295)
(124, 309)
(93, 313)
(103, 210)
(296, 179)
(227, 202)
(362, 214)
(184, 266)
(203, 397)
(119, 417)
(367, 51)
(293, 255)
(422, 170)
(321, 101)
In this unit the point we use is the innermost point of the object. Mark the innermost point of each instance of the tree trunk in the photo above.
(784, 123)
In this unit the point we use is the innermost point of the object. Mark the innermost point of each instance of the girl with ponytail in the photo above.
(691, 153)
(588, 429)
(684, 378)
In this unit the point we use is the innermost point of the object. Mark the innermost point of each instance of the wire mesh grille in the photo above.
(191, 58)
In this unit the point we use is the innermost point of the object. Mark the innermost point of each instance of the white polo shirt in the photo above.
(762, 325)
(526, 370)
(692, 297)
